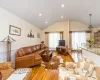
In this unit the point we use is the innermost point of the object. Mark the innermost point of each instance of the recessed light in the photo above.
(46, 22)
(40, 14)
(62, 17)
(62, 5)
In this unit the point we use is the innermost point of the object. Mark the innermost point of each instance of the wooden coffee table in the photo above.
(46, 56)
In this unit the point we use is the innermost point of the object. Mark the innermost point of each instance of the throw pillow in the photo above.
(90, 70)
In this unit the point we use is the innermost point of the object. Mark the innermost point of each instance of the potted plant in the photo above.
(42, 42)
(90, 41)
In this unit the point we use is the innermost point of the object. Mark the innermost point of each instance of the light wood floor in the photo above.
(39, 72)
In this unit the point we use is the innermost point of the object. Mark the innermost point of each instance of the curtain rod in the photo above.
(55, 32)
(80, 31)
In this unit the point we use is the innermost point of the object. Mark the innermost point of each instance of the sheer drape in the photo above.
(61, 35)
(77, 39)
(54, 39)
(70, 40)
(47, 38)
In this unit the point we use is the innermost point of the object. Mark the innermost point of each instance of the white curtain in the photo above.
(54, 40)
(77, 39)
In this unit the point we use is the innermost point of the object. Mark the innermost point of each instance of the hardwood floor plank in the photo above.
(40, 73)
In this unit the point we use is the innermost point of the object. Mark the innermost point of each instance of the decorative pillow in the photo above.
(79, 69)
(90, 69)
(84, 68)
(33, 48)
(94, 75)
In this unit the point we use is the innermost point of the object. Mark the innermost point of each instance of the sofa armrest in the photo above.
(21, 61)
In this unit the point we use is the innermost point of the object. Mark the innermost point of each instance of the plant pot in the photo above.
(90, 46)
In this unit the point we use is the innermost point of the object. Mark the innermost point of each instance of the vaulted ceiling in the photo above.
(51, 11)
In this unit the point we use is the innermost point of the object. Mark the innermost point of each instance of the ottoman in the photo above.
(21, 74)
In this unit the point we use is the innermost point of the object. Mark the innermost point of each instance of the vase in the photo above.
(90, 46)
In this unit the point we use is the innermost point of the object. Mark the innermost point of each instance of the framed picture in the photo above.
(30, 34)
(38, 35)
(14, 30)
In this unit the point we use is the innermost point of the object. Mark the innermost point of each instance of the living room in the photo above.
(45, 40)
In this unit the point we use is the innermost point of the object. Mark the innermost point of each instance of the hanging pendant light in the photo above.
(90, 26)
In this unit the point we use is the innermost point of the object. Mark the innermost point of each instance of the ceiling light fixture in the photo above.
(90, 26)
(40, 14)
(62, 17)
(62, 5)
(46, 22)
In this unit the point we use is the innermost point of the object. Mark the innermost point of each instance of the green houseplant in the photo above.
(90, 41)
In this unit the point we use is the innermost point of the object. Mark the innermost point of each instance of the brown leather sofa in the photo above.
(29, 56)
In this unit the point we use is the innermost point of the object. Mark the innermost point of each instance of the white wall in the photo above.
(58, 26)
(6, 19)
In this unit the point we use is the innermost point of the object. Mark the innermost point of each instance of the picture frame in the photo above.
(30, 35)
(38, 35)
(14, 30)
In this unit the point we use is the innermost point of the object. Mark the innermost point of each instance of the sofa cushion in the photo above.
(27, 50)
(84, 68)
(37, 57)
(33, 48)
(38, 47)
(39, 52)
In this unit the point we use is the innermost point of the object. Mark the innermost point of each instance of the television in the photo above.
(61, 42)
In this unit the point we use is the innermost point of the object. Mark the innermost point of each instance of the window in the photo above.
(54, 39)
(77, 39)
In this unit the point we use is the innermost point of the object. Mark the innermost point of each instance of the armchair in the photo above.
(6, 69)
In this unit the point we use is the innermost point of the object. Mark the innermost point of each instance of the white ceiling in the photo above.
(52, 11)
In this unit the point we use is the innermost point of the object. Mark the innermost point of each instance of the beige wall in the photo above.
(77, 26)
(95, 29)
(66, 27)
(58, 26)
(6, 19)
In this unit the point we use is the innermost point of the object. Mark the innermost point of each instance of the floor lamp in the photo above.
(8, 39)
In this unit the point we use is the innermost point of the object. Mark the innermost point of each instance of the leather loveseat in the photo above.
(29, 56)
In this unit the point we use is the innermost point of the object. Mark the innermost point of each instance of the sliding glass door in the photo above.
(77, 39)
